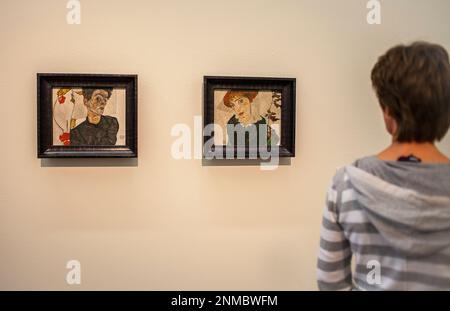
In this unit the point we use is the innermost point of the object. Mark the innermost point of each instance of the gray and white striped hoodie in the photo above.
(386, 226)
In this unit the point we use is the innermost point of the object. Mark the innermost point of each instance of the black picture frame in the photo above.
(45, 84)
(287, 87)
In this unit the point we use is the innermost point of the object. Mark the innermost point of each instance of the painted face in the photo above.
(97, 102)
(241, 107)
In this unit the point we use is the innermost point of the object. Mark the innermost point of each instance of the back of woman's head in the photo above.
(413, 83)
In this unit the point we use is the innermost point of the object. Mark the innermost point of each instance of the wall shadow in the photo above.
(90, 162)
(243, 162)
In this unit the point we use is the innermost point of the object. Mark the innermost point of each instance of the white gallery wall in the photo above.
(157, 223)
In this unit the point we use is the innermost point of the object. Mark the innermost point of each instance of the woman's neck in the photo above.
(426, 152)
(250, 120)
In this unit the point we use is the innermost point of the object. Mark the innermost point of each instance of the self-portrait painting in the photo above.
(87, 115)
(249, 114)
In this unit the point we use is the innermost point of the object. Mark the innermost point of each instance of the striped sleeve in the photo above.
(334, 260)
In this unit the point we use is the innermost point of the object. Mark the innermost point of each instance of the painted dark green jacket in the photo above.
(252, 136)
(102, 134)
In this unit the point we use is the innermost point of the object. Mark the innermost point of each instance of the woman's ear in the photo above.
(391, 124)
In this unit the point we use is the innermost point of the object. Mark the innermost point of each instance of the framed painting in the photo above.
(244, 117)
(86, 116)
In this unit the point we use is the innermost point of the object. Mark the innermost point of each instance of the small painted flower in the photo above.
(65, 139)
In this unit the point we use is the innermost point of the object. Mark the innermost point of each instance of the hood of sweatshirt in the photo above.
(415, 222)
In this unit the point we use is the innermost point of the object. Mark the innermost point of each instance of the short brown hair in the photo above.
(413, 82)
(231, 94)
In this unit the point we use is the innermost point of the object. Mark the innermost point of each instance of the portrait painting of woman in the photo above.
(237, 111)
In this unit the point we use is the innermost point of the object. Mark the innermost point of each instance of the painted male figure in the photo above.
(97, 129)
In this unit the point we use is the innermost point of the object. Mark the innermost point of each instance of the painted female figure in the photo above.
(244, 121)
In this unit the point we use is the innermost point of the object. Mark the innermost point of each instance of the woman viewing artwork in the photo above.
(389, 213)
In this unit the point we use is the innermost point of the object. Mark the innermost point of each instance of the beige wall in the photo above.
(162, 224)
